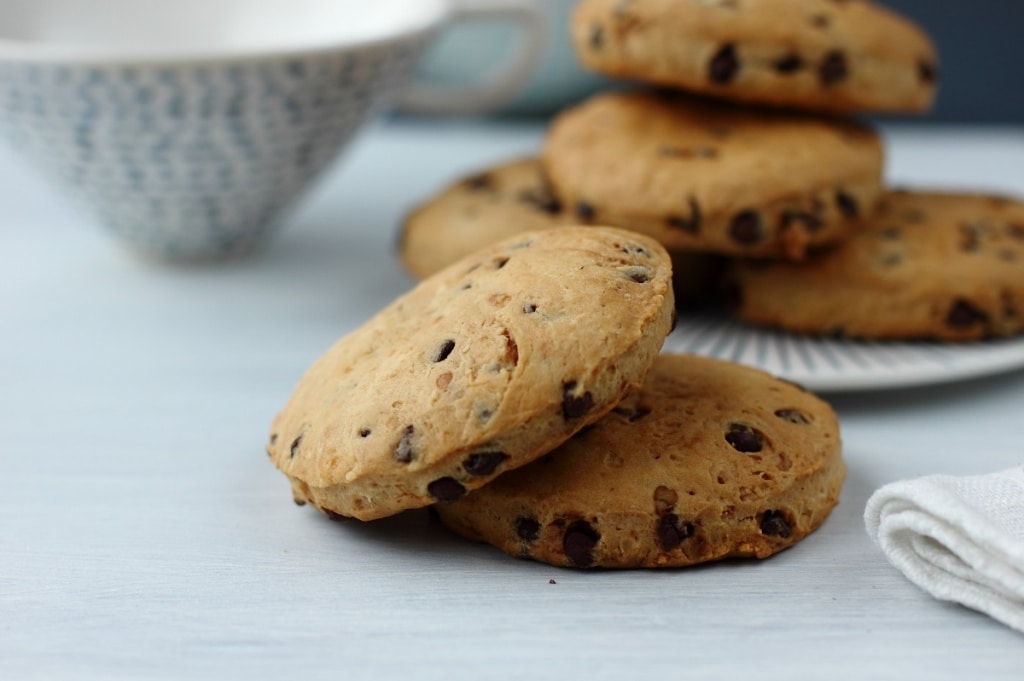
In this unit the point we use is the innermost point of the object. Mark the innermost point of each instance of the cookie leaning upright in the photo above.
(481, 368)
(708, 460)
(823, 55)
(705, 175)
(926, 265)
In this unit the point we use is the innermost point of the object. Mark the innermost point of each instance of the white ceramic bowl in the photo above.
(189, 127)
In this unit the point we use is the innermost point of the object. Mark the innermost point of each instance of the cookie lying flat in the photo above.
(510, 199)
(701, 175)
(944, 266)
(479, 369)
(708, 460)
(826, 55)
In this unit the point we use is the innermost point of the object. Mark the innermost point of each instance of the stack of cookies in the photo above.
(521, 392)
(739, 153)
(520, 388)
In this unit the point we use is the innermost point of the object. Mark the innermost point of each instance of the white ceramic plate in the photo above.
(829, 365)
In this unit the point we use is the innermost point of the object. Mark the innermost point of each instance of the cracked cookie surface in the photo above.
(824, 55)
(708, 460)
(481, 368)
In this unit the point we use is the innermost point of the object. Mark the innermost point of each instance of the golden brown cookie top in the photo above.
(479, 369)
(829, 55)
(695, 166)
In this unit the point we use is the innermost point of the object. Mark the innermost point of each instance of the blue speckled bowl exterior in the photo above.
(196, 160)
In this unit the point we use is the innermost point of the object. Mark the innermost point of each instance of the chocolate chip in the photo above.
(632, 414)
(723, 66)
(597, 37)
(542, 200)
(969, 238)
(295, 446)
(746, 229)
(791, 63)
(638, 274)
(575, 406)
(671, 533)
(689, 224)
(483, 463)
(273, 438)
(744, 439)
(445, 350)
(847, 205)
(527, 529)
(927, 72)
(529, 308)
(578, 543)
(403, 450)
(793, 416)
(364, 432)
(811, 223)
(636, 249)
(914, 216)
(482, 182)
(964, 315)
(500, 262)
(585, 211)
(774, 524)
(446, 489)
(833, 68)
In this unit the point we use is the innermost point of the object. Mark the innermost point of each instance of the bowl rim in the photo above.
(26, 52)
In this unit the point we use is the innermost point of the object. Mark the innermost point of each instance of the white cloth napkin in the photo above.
(961, 539)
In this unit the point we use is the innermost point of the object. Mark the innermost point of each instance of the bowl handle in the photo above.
(507, 82)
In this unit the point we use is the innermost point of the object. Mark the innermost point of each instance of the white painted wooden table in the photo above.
(144, 534)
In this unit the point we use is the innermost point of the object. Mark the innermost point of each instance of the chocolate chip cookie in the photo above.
(708, 460)
(826, 55)
(703, 175)
(481, 368)
(926, 265)
(508, 199)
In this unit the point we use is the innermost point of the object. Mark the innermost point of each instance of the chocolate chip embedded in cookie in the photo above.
(480, 369)
(813, 54)
(709, 176)
(708, 460)
(926, 265)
